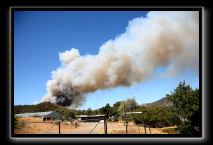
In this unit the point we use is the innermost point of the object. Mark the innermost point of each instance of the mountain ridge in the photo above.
(161, 102)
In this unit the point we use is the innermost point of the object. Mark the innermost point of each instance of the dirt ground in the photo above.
(120, 128)
(30, 125)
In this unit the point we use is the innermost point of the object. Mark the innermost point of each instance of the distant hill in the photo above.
(41, 107)
(162, 102)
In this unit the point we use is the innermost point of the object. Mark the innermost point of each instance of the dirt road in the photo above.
(87, 128)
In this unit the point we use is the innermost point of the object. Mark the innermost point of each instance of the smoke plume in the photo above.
(161, 39)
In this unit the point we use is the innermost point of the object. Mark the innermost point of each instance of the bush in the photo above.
(66, 114)
(155, 116)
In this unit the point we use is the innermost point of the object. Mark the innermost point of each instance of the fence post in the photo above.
(126, 122)
(149, 130)
(144, 128)
(126, 127)
(105, 126)
(138, 129)
(59, 127)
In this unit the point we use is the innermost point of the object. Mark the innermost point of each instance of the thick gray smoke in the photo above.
(169, 39)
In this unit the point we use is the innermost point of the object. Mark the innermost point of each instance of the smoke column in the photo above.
(161, 39)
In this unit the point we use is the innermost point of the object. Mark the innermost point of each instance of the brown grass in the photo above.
(31, 125)
(30, 119)
(120, 128)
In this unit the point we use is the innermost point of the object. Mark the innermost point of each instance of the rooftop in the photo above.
(91, 116)
(33, 114)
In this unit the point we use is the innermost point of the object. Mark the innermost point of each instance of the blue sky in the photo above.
(40, 35)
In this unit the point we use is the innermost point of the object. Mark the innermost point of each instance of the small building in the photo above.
(50, 115)
(91, 118)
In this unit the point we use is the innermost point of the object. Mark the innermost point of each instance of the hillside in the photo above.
(162, 102)
(42, 107)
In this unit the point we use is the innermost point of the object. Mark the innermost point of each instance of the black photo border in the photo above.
(40, 138)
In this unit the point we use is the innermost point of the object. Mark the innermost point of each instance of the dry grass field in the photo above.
(31, 125)
(119, 128)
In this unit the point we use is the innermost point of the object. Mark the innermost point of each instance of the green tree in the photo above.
(67, 114)
(89, 111)
(128, 105)
(131, 104)
(107, 110)
(186, 106)
(115, 107)
(122, 109)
